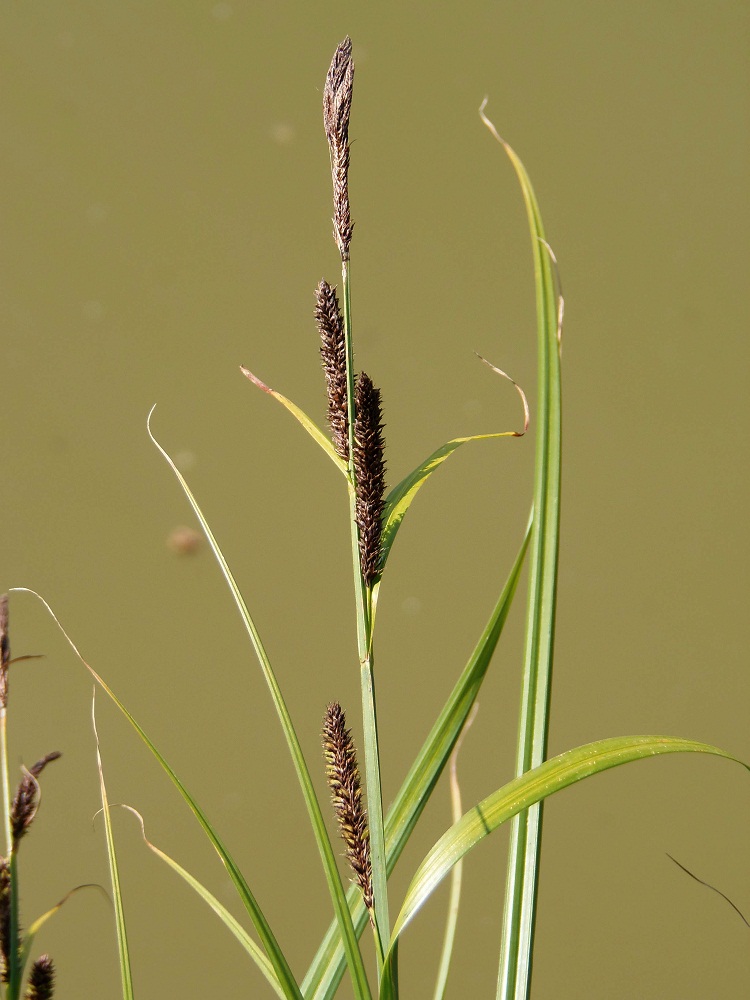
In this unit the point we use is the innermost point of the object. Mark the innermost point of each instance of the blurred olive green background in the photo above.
(165, 218)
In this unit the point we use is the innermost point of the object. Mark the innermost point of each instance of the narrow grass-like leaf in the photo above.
(274, 952)
(328, 858)
(454, 900)
(36, 926)
(514, 975)
(234, 926)
(521, 793)
(126, 976)
(310, 426)
(401, 496)
(327, 967)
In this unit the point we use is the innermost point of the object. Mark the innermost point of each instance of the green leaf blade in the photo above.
(527, 790)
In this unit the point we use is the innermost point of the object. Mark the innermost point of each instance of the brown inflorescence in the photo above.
(4, 651)
(26, 801)
(346, 794)
(41, 980)
(369, 469)
(333, 355)
(4, 920)
(337, 106)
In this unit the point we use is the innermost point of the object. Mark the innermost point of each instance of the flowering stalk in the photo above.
(337, 100)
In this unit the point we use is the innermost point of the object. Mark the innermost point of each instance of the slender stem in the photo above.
(367, 671)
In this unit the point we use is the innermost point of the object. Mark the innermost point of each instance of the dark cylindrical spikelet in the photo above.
(369, 468)
(26, 801)
(41, 980)
(4, 919)
(346, 794)
(337, 106)
(333, 354)
(4, 651)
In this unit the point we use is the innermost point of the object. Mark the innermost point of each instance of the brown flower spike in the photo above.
(337, 106)
(333, 355)
(369, 469)
(4, 919)
(41, 980)
(346, 794)
(4, 651)
(26, 801)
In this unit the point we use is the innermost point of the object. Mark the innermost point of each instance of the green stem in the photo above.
(367, 672)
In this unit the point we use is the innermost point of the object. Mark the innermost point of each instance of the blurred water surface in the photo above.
(165, 218)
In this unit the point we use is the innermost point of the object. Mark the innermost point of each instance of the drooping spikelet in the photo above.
(333, 354)
(346, 795)
(369, 469)
(4, 651)
(26, 801)
(337, 106)
(41, 980)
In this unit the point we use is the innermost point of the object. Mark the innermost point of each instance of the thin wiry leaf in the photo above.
(221, 911)
(126, 976)
(274, 952)
(328, 858)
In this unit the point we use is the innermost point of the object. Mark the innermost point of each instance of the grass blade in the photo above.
(31, 933)
(221, 911)
(310, 426)
(327, 967)
(126, 976)
(333, 879)
(274, 952)
(456, 871)
(514, 976)
(523, 792)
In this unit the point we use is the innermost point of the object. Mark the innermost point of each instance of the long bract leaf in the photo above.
(514, 976)
(330, 867)
(327, 967)
(523, 792)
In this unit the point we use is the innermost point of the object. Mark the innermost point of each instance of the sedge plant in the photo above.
(375, 832)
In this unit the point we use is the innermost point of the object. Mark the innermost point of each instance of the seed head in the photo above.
(4, 651)
(4, 920)
(337, 106)
(26, 802)
(369, 468)
(41, 980)
(346, 795)
(333, 355)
